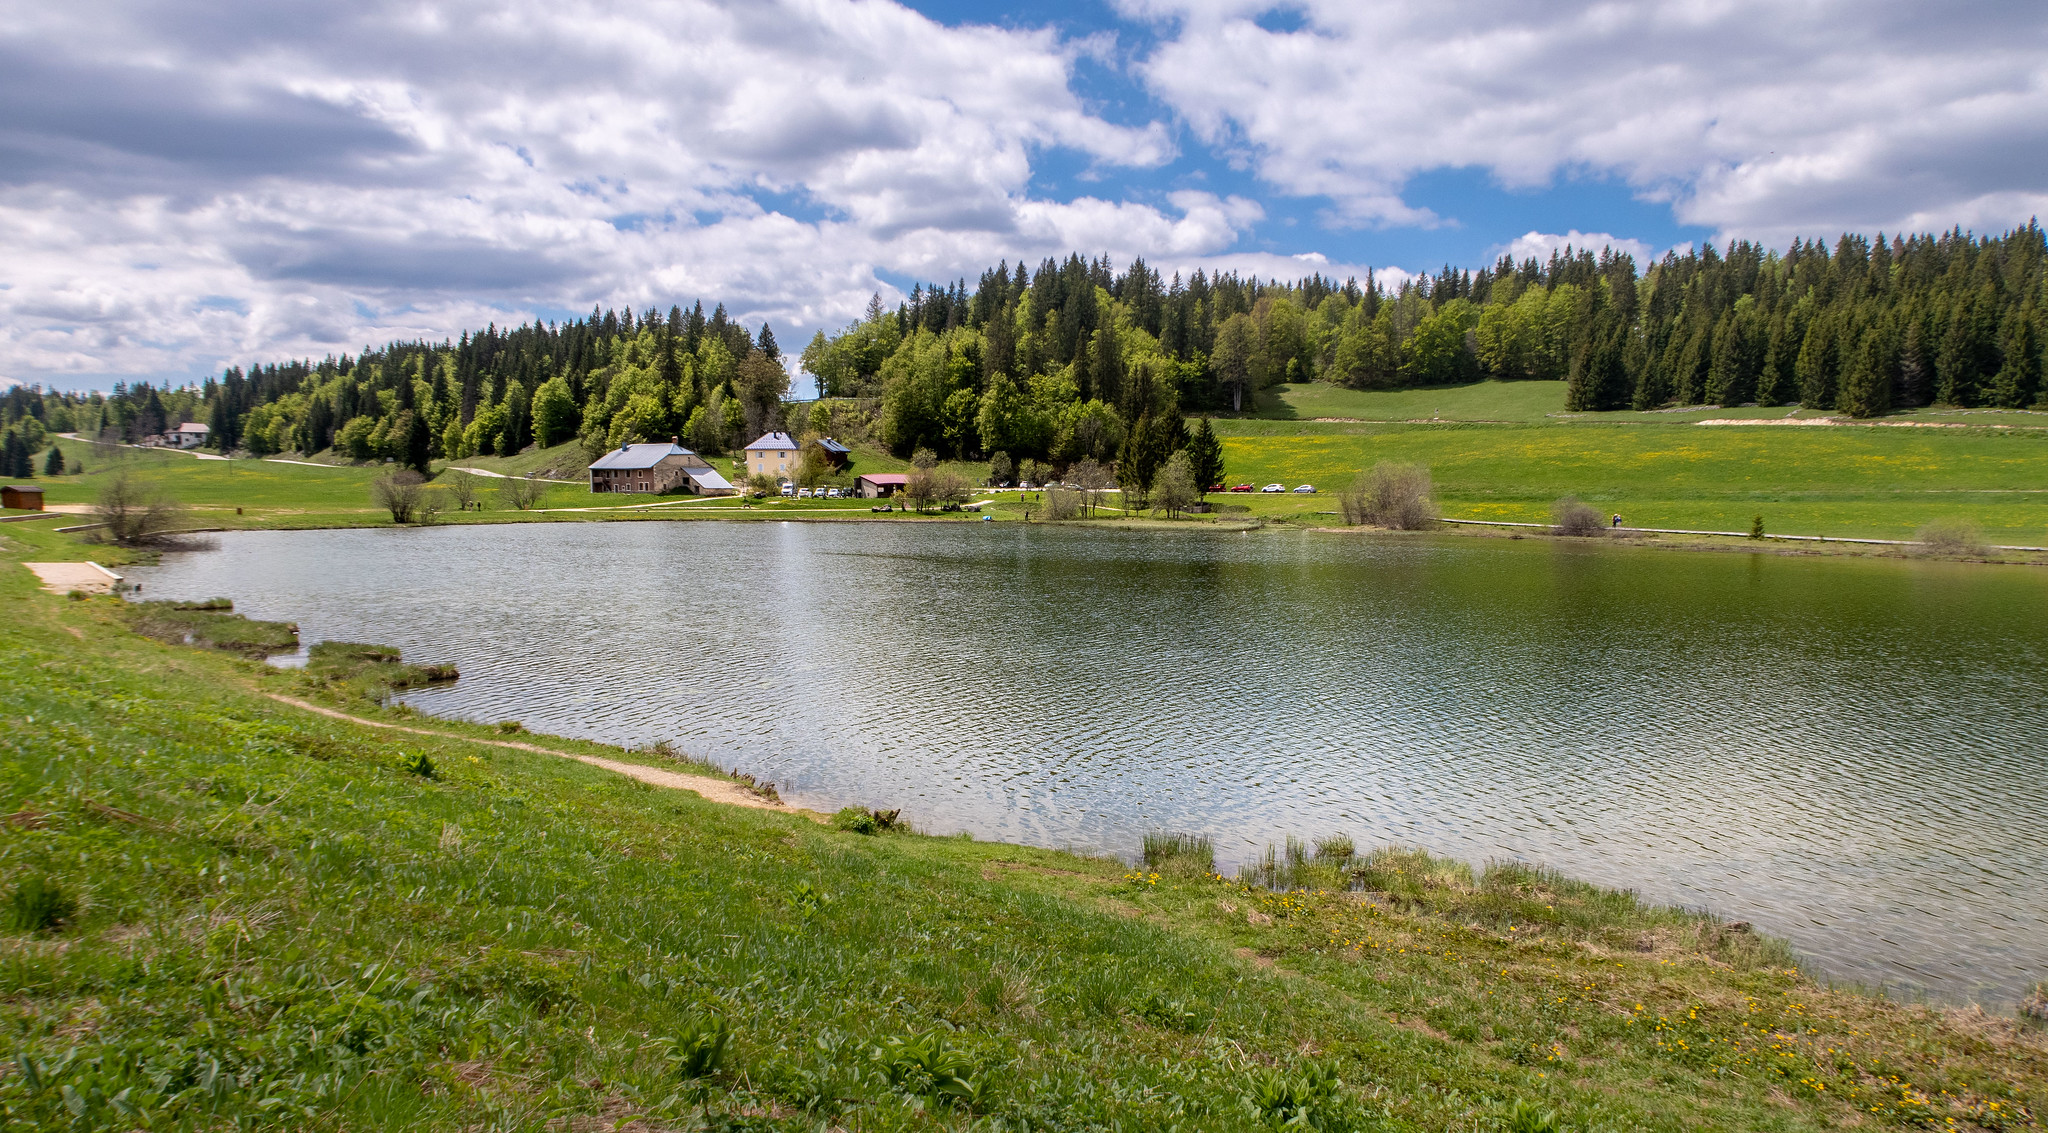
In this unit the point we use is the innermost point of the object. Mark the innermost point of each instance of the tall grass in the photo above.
(1180, 855)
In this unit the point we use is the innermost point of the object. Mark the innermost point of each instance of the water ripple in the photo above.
(1849, 753)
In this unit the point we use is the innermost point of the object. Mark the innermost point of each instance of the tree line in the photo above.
(1077, 361)
(608, 379)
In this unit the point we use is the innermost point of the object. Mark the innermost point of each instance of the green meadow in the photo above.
(1858, 481)
(222, 911)
(1496, 451)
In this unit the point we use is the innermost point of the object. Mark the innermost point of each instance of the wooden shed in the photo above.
(27, 497)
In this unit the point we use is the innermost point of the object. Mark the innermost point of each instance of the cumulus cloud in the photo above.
(181, 181)
(1539, 246)
(1762, 118)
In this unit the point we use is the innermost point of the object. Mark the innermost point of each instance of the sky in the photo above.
(186, 185)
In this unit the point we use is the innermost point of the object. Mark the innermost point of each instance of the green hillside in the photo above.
(226, 911)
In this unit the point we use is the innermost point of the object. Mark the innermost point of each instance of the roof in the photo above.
(707, 478)
(773, 442)
(192, 427)
(639, 456)
(36, 488)
(897, 478)
(832, 446)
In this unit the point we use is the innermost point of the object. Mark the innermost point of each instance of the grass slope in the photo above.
(267, 919)
(1822, 480)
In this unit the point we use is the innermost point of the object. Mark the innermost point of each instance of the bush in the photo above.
(418, 764)
(1575, 518)
(861, 820)
(40, 905)
(1952, 537)
(1395, 496)
(520, 492)
(134, 513)
(401, 493)
(1062, 504)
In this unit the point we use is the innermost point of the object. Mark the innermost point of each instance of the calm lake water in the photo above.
(1848, 753)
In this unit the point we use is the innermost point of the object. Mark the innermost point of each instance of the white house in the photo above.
(191, 434)
(773, 455)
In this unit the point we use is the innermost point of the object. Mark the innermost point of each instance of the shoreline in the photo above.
(1651, 538)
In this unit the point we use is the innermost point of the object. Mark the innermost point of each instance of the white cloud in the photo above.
(182, 183)
(1764, 118)
(1539, 246)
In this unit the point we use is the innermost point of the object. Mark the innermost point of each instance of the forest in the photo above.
(1078, 361)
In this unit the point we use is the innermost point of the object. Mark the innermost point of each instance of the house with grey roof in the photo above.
(656, 468)
(774, 454)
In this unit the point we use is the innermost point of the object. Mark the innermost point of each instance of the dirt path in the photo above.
(713, 790)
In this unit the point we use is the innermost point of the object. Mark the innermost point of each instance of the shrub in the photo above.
(1062, 504)
(510, 727)
(520, 492)
(1391, 495)
(1180, 855)
(1952, 537)
(402, 493)
(861, 820)
(40, 905)
(418, 764)
(133, 513)
(1575, 518)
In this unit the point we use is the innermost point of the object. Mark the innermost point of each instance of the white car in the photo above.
(1272, 488)
(1305, 490)
(832, 493)
(788, 489)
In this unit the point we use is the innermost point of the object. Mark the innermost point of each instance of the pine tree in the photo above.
(1207, 454)
(2019, 378)
(53, 465)
(1866, 389)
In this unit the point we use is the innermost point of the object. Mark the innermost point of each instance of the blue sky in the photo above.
(186, 185)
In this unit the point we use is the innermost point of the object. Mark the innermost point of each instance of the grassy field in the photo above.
(252, 916)
(1496, 455)
(1852, 481)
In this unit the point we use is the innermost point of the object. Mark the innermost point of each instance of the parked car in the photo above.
(1272, 488)
(1305, 490)
(1241, 488)
(832, 493)
(803, 493)
(1214, 488)
(788, 489)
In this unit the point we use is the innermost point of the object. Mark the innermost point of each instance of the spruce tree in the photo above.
(2019, 377)
(53, 465)
(1207, 454)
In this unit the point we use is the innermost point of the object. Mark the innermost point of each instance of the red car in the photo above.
(1213, 488)
(1241, 488)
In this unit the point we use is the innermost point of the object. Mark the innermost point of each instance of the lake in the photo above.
(1849, 753)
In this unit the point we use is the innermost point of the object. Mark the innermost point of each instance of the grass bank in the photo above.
(227, 911)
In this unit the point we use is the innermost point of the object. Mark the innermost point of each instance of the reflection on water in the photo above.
(1848, 753)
